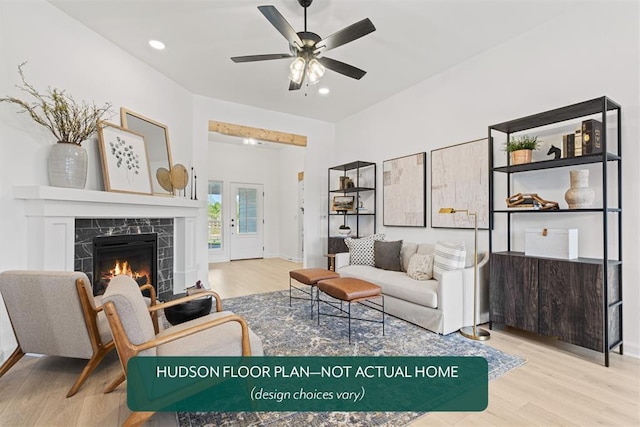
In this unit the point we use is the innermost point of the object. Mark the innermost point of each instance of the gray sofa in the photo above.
(440, 306)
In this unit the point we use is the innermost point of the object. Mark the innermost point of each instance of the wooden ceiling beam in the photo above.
(257, 133)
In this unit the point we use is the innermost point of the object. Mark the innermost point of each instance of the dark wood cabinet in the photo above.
(514, 291)
(562, 299)
(578, 301)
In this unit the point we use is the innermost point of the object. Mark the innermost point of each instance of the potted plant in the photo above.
(520, 148)
(69, 121)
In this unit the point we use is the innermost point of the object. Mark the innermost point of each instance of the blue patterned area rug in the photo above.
(289, 331)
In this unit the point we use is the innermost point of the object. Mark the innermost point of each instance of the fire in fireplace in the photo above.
(135, 255)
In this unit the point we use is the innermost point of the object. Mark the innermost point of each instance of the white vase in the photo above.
(579, 195)
(344, 231)
(67, 165)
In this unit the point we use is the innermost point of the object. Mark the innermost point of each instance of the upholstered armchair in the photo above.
(222, 333)
(55, 313)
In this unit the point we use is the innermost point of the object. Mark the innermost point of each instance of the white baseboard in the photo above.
(290, 259)
(631, 350)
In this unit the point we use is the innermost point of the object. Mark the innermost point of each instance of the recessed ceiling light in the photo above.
(323, 91)
(156, 44)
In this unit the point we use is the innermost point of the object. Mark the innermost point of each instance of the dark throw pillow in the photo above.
(387, 255)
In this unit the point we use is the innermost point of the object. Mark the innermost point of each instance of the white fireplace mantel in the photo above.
(51, 214)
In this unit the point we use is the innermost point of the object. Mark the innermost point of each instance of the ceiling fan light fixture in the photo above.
(297, 70)
(315, 70)
(305, 46)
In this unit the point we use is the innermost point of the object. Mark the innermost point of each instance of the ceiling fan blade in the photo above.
(346, 35)
(342, 68)
(281, 24)
(267, 57)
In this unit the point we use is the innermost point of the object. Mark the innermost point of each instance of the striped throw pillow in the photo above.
(448, 256)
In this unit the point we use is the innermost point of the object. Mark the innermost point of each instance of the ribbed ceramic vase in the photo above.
(67, 165)
(579, 195)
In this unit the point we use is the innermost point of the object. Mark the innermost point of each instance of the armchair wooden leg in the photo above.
(90, 367)
(137, 419)
(12, 360)
(115, 383)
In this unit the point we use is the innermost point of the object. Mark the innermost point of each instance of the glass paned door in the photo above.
(246, 227)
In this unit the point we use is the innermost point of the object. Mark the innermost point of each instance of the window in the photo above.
(214, 208)
(247, 210)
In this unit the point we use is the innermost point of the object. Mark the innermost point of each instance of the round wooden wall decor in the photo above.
(179, 176)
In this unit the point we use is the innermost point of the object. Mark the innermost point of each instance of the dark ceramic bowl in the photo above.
(188, 310)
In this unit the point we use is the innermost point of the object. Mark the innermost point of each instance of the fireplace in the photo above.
(135, 255)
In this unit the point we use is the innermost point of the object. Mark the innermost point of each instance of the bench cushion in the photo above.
(348, 289)
(311, 276)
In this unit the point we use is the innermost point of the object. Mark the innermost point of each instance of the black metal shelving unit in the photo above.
(611, 156)
(362, 223)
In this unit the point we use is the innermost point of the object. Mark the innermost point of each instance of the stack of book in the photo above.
(584, 141)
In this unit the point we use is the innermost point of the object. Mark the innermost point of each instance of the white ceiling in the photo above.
(414, 40)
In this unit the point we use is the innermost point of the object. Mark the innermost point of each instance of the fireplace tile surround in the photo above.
(87, 229)
(52, 214)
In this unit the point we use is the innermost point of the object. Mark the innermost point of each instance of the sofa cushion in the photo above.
(361, 250)
(448, 256)
(396, 284)
(420, 267)
(425, 248)
(387, 254)
(407, 251)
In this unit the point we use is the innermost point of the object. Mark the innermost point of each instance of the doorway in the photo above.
(246, 222)
(243, 154)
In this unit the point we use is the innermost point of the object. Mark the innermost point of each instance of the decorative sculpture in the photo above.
(555, 151)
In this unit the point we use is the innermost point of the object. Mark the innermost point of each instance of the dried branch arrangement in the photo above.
(68, 120)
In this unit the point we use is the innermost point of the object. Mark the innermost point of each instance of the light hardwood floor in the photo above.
(557, 385)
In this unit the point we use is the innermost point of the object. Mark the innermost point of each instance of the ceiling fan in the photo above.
(307, 47)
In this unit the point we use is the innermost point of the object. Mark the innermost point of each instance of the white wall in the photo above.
(277, 170)
(62, 53)
(290, 162)
(552, 66)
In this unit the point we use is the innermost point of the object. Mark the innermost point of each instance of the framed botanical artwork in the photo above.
(460, 180)
(125, 162)
(404, 191)
(343, 203)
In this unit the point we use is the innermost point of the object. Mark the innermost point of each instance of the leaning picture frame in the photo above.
(343, 203)
(156, 136)
(125, 161)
